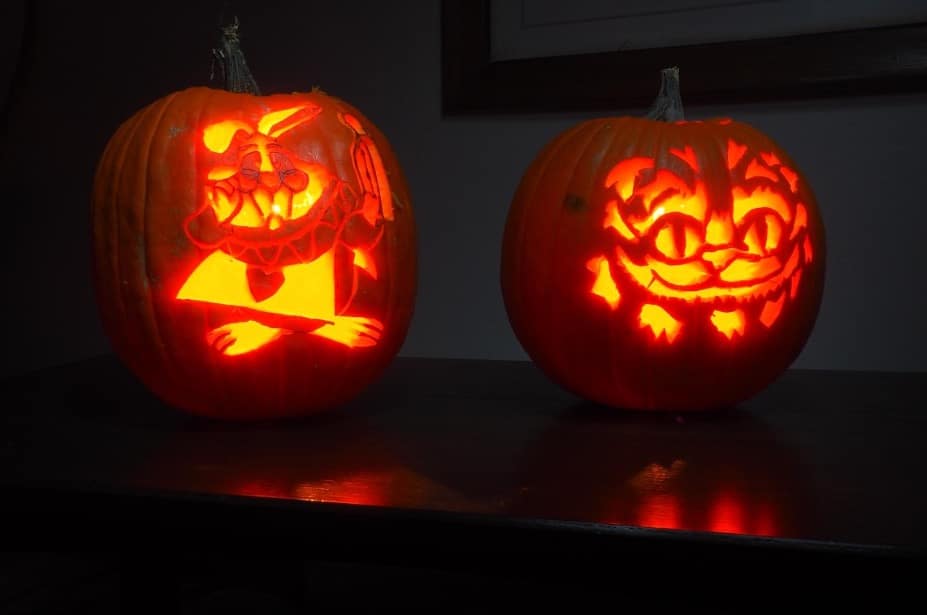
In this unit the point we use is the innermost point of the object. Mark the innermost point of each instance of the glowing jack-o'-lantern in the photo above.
(254, 255)
(663, 264)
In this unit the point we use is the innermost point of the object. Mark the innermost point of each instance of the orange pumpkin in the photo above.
(254, 256)
(655, 263)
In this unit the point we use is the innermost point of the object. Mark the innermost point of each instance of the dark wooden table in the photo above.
(482, 471)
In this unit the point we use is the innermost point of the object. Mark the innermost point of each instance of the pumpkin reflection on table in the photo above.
(337, 459)
(717, 472)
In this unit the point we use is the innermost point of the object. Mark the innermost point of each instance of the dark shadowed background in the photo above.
(94, 64)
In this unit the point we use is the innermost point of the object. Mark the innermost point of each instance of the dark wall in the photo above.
(94, 64)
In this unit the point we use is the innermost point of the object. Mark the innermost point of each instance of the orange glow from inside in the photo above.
(252, 211)
(720, 229)
(688, 280)
(809, 253)
(604, 285)
(363, 260)
(368, 166)
(241, 337)
(353, 123)
(771, 311)
(675, 241)
(260, 185)
(306, 290)
(614, 220)
(678, 274)
(770, 159)
(763, 234)
(801, 220)
(276, 123)
(217, 137)
(791, 177)
(735, 152)
(623, 176)
(743, 269)
(660, 322)
(269, 184)
(687, 154)
(761, 198)
(755, 169)
(668, 193)
(729, 323)
(221, 172)
(795, 281)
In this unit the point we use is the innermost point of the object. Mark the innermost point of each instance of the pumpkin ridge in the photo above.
(103, 220)
(114, 202)
(553, 256)
(152, 316)
(131, 212)
(529, 201)
(595, 179)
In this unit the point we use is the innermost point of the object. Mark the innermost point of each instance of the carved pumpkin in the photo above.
(254, 255)
(663, 264)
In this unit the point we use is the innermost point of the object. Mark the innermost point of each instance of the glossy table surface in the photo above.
(819, 461)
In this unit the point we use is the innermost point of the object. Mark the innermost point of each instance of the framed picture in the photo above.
(522, 56)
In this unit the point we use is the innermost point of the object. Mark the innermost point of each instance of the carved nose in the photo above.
(271, 179)
(294, 179)
(719, 257)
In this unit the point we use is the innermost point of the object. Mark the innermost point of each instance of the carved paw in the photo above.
(352, 331)
(241, 337)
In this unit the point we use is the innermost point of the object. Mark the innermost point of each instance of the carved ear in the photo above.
(624, 175)
(217, 137)
(276, 123)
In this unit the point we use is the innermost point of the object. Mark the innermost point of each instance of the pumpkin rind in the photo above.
(580, 262)
(154, 178)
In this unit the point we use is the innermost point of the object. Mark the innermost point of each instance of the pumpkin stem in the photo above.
(231, 60)
(667, 107)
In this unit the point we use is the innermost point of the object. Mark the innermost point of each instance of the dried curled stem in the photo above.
(231, 60)
(667, 107)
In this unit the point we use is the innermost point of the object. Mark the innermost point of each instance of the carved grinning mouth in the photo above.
(714, 289)
(729, 301)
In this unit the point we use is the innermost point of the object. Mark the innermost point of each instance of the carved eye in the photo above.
(280, 161)
(677, 236)
(761, 232)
